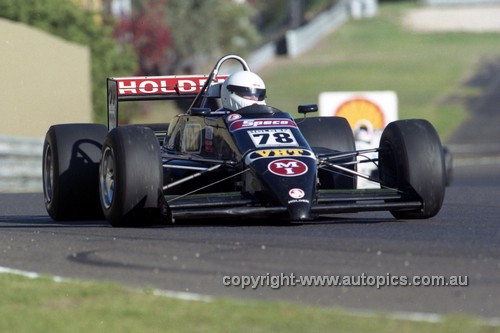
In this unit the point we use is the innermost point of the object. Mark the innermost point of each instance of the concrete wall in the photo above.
(303, 39)
(43, 80)
(300, 40)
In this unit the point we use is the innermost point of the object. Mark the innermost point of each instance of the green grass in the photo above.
(41, 305)
(428, 71)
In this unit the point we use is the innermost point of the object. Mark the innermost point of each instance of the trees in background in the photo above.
(146, 31)
(174, 36)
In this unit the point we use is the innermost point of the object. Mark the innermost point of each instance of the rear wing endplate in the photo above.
(144, 88)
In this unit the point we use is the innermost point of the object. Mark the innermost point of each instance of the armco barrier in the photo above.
(20, 164)
(300, 40)
(305, 38)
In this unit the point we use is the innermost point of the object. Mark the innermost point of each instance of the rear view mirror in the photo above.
(307, 108)
(200, 111)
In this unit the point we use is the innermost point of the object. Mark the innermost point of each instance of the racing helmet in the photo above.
(242, 89)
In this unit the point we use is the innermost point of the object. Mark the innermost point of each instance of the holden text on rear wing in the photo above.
(143, 88)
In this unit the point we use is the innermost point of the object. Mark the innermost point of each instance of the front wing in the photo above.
(235, 204)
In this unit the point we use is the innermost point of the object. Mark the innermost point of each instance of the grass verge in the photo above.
(427, 70)
(42, 305)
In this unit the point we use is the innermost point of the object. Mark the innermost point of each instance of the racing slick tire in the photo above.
(70, 170)
(411, 160)
(325, 134)
(131, 177)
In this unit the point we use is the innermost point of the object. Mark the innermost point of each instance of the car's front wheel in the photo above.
(131, 177)
(411, 160)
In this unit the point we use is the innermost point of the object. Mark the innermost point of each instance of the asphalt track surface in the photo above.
(464, 239)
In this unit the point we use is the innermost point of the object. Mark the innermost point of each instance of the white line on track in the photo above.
(433, 318)
(185, 296)
(181, 295)
(29, 275)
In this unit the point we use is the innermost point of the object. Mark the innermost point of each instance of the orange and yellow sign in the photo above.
(361, 109)
(376, 108)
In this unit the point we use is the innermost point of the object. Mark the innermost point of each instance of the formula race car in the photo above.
(257, 161)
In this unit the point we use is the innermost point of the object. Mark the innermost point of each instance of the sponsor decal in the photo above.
(252, 123)
(233, 117)
(272, 137)
(163, 85)
(280, 153)
(271, 153)
(296, 193)
(378, 108)
(287, 167)
(191, 138)
(209, 139)
(298, 201)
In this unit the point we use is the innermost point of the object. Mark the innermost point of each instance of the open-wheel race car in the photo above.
(211, 162)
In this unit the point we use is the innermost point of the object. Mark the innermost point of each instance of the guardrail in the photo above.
(300, 40)
(20, 164)
(305, 38)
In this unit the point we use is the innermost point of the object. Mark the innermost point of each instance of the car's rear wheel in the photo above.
(327, 134)
(131, 177)
(71, 154)
(411, 160)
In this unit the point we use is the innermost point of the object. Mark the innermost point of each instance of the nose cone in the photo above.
(299, 212)
(299, 203)
(292, 181)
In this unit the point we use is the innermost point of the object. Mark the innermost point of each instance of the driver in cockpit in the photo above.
(242, 89)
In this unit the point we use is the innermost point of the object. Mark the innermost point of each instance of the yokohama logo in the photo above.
(162, 85)
(251, 123)
(287, 167)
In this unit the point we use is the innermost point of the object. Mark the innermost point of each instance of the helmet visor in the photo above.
(253, 94)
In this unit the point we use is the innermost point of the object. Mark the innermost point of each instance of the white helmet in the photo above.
(242, 89)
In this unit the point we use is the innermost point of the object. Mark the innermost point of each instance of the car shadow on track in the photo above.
(353, 221)
(44, 221)
(263, 222)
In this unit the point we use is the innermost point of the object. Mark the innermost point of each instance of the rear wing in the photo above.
(145, 88)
